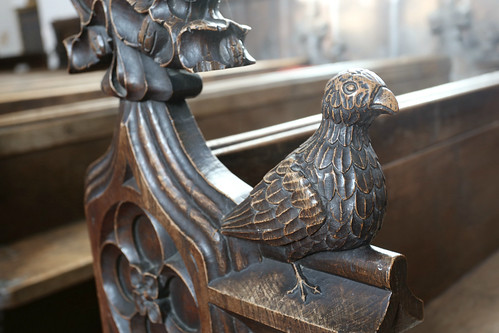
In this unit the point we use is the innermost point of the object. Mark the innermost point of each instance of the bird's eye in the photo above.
(349, 88)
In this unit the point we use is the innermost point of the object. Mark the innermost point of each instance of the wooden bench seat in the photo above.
(42, 264)
(461, 137)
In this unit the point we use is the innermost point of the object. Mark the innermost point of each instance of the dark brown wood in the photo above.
(464, 195)
(267, 281)
(156, 200)
(42, 189)
(58, 142)
(261, 98)
(152, 240)
(47, 89)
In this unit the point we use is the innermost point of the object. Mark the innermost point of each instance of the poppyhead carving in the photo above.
(142, 41)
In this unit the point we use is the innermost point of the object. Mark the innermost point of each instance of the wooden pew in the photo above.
(46, 144)
(432, 172)
(26, 91)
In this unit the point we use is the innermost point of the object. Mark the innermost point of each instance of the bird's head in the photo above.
(357, 96)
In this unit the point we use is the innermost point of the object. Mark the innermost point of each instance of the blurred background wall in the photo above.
(320, 30)
(336, 30)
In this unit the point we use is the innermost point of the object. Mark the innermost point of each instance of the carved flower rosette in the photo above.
(146, 283)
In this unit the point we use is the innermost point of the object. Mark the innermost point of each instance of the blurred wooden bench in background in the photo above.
(26, 91)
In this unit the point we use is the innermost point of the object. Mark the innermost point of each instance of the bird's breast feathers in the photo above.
(336, 187)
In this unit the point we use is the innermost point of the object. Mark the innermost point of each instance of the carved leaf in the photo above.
(92, 47)
(190, 35)
(207, 45)
(84, 9)
(140, 6)
(137, 78)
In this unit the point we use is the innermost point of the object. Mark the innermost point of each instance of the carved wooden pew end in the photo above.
(180, 243)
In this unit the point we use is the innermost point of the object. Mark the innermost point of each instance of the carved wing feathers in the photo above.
(281, 209)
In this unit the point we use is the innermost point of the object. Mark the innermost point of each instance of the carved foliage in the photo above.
(144, 277)
(140, 39)
(92, 47)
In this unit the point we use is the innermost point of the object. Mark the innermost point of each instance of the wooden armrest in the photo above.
(365, 292)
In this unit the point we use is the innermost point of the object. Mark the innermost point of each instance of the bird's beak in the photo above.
(385, 101)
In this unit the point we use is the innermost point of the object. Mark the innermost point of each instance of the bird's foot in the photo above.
(302, 283)
(215, 232)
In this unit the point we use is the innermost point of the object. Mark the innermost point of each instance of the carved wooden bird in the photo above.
(328, 194)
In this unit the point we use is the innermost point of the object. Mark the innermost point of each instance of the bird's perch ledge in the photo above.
(362, 290)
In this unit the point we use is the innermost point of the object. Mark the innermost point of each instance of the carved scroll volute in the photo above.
(154, 200)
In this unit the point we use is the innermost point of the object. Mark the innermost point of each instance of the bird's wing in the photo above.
(281, 209)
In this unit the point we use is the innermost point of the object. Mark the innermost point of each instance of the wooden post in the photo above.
(158, 202)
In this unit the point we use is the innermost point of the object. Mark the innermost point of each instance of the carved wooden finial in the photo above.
(143, 40)
(329, 194)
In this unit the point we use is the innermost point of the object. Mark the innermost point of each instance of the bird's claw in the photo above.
(302, 283)
(303, 289)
